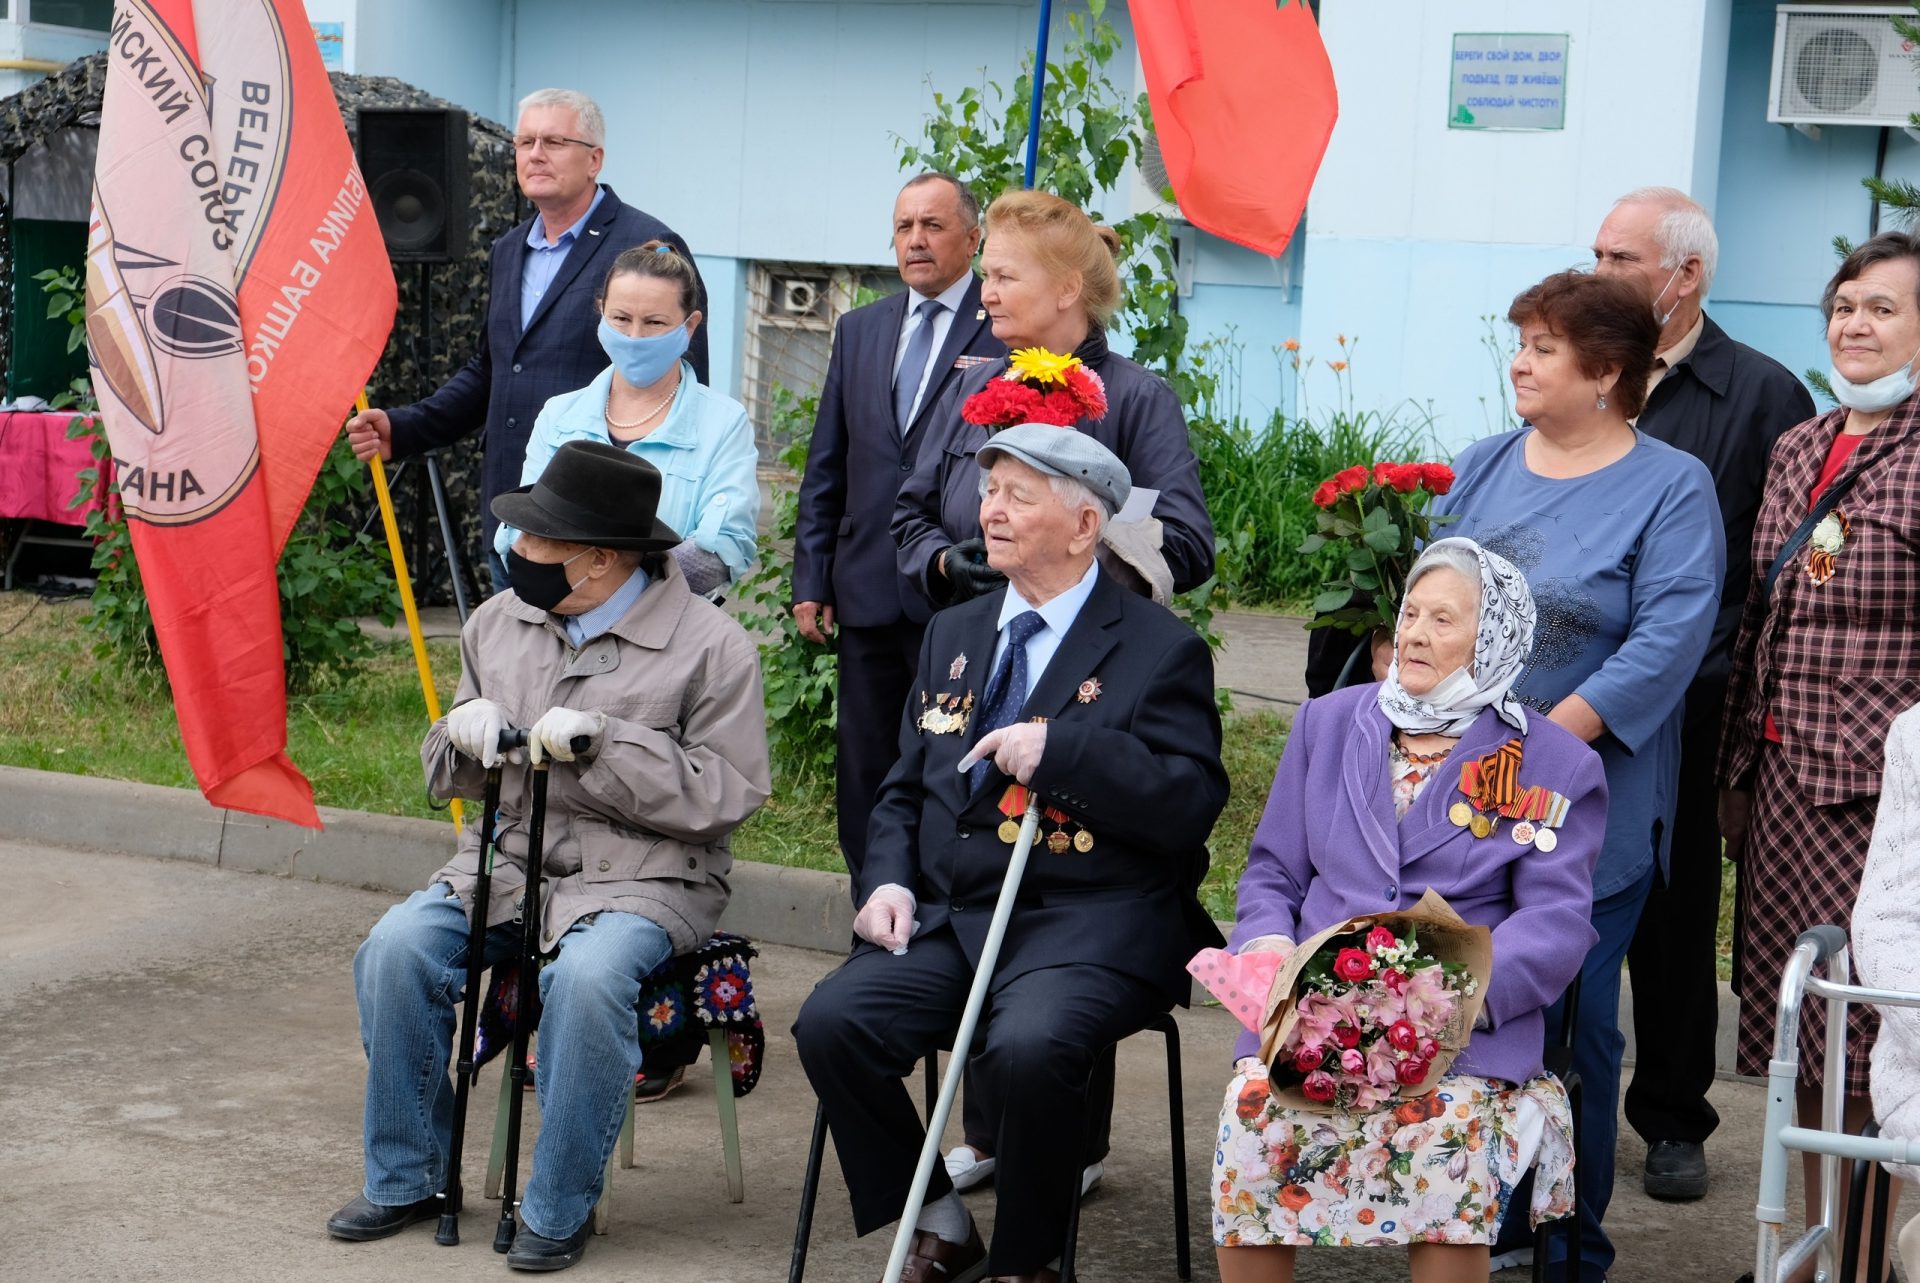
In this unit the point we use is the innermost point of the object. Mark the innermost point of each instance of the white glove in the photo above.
(474, 729)
(1015, 749)
(553, 735)
(887, 917)
(1280, 945)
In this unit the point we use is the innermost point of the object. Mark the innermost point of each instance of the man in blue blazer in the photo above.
(542, 309)
(891, 361)
(1101, 702)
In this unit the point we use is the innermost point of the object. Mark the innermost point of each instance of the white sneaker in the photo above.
(1091, 1177)
(967, 1169)
(1520, 1258)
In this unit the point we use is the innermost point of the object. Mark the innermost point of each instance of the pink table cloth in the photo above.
(39, 467)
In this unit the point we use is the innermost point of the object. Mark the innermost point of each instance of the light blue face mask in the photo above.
(644, 360)
(1883, 393)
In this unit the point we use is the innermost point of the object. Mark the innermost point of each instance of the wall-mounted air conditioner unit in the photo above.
(1842, 65)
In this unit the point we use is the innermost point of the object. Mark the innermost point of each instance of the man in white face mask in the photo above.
(1724, 403)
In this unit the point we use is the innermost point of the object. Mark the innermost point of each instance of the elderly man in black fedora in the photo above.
(1102, 702)
(600, 640)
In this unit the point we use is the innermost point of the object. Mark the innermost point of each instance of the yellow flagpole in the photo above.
(405, 583)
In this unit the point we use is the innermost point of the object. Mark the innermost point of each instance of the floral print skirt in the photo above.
(1439, 1168)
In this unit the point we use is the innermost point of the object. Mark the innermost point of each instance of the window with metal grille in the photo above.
(791, 310)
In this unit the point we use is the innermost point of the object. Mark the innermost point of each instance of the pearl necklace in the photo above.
(657, 407)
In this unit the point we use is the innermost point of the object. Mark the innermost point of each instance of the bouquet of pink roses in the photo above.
(1376, 1007)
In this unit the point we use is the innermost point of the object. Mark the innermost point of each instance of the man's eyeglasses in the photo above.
(552, 143)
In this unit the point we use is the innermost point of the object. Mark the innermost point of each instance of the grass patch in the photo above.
(358, 740)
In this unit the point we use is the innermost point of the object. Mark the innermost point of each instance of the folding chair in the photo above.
(1830, 1140)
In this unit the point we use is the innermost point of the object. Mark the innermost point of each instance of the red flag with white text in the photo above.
(238, 297)
(1243, 104)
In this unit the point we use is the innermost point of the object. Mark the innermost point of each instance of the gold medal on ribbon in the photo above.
(1009, 831)
(1083, 841)
(1481, 826)
(1461, 814)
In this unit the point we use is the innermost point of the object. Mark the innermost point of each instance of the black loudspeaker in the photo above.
(415, 166)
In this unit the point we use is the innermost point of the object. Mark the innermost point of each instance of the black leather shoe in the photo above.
(361, 1221)
(532, 1252)
(1676, 1171)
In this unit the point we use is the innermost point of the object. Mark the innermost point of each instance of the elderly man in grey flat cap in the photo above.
(1102, 702)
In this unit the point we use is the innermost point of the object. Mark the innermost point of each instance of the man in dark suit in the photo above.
(1725, 404)
(1102, 703)
(542, 313)
(891, 361)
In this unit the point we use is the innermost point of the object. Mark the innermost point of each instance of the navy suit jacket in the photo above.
(514, 372)
(1137, 764)
(843, 552)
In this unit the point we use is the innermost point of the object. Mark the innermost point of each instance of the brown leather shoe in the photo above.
(931, 1259)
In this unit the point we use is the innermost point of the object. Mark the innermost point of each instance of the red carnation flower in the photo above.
(1001, 402)
(1436, 477)
(1353, 965)
(1058, 407)
(1088, 391)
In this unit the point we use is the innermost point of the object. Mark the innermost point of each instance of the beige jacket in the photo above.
(644, 826)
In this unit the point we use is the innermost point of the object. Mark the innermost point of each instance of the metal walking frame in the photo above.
(1772, 1261)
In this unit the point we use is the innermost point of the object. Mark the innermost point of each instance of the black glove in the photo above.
(968, 573)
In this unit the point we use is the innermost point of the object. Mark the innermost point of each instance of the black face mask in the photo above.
(541, 584)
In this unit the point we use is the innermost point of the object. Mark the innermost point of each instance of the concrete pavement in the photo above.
(184, 1103)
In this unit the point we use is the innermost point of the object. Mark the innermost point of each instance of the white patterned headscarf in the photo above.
(1501, 644)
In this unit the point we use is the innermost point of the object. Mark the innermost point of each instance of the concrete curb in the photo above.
(802, 908)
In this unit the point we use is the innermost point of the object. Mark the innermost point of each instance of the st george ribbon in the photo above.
(238, 297)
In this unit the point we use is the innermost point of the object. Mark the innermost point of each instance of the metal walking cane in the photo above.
(527, 998)
(448, 1234)
(963, 1039)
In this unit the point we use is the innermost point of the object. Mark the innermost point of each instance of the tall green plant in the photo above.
(1088, 131)
(797, 674)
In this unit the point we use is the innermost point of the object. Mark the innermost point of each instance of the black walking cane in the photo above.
(527, 1000)
(451, 1196)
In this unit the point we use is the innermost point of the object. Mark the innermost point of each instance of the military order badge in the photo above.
(1089, 690)
(957, 667)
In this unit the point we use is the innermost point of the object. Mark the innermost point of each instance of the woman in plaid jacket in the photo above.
(1828, 656)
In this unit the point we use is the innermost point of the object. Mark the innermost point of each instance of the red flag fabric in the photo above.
(238, 296)
(1243, 104)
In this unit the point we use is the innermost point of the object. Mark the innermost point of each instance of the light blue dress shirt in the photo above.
(1059, 615)
(709, 487)
(589, 624)
(544, 259)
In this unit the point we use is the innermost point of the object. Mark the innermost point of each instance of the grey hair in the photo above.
(593, 125)
(1074, 493)
(1685, 230)
(969, 203)
(1447, 556)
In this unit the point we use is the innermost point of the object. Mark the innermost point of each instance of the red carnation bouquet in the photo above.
(1038, 387)
(1380, 514)
(1375, 1007)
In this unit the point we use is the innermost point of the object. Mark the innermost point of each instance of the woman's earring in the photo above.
(1600, 402)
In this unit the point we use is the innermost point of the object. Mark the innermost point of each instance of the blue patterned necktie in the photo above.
(1007, 690)
(913, 365)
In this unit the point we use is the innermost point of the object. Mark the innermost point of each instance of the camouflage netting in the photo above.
(458, 290)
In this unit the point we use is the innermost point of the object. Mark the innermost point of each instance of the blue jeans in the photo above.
(496, 569)
(408, 978)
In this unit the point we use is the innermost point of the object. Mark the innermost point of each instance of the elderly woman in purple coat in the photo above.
(1365, 815)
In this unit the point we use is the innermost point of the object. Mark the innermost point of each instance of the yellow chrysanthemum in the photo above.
(1037, 365)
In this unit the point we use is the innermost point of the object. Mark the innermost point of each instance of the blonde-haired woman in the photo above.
(1051, 281)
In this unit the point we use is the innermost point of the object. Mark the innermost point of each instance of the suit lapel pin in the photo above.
(981, 315)
(1089, 690)
(957, 667)
(593, 231)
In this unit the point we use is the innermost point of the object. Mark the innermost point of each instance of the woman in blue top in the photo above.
(1620, 539)
(649, 401)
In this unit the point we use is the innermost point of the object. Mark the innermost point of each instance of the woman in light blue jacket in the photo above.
(649, 402)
